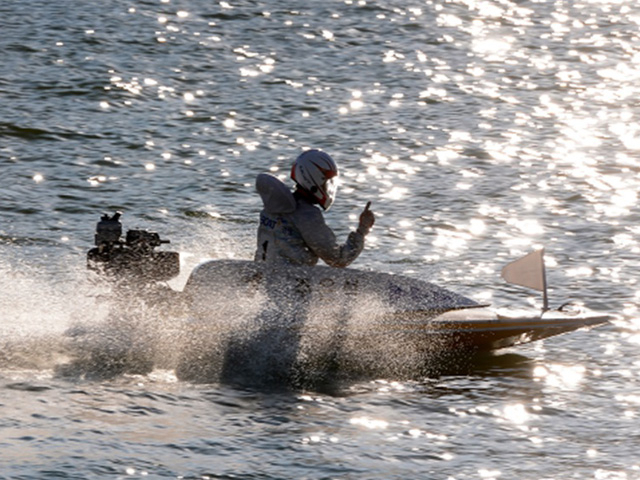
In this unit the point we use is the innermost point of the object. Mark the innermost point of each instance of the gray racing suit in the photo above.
(293, 231)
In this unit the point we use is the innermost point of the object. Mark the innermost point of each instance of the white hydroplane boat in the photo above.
(419, 311)
(371, 304)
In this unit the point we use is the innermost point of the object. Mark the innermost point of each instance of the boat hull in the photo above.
(487, 329)
(370, 307)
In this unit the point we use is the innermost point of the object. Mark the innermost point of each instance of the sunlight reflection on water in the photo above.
(560, 376)
(480, 130)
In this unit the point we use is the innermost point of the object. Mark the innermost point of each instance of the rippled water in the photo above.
(479, 130)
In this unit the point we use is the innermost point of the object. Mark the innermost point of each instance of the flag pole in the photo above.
(545, 297)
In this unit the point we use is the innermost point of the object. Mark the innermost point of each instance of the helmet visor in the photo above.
(329, 189)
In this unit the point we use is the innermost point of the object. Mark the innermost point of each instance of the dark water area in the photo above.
(480, 131)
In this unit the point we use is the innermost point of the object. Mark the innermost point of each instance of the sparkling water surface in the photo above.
(480, 130)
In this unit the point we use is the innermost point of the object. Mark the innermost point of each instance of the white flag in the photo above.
(527, 271)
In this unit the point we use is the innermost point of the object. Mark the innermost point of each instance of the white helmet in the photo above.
(316, 172)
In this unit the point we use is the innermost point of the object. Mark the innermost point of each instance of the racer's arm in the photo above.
(322, 241)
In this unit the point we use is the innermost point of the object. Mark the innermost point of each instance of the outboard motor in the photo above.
(132, 259)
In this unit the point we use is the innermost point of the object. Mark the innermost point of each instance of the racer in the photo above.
(292, 228)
